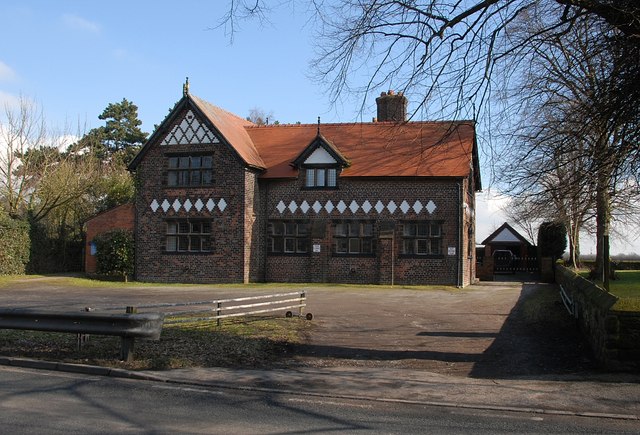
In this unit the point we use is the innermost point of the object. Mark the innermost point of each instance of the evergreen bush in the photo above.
(115, 253)
(552, 240)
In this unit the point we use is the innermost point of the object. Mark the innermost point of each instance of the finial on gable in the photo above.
(318, 125)
(185, 88)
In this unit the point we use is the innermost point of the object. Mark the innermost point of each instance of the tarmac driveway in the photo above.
(485, 330)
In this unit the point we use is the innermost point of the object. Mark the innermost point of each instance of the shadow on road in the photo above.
(537, 338)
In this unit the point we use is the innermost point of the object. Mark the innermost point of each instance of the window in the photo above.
(188, 235)
(353, 238)
(321, 177)
(288, 237)
(190, 170)
(422, 238)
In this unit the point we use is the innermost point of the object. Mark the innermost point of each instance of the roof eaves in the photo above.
(204, 111)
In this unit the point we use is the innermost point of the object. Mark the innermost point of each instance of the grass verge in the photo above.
(18, 281)
(251, 342)
(626, 287)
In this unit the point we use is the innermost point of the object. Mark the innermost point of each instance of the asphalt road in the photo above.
(50, 402)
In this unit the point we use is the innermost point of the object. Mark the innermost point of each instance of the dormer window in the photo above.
(321, 177)
(320, 164)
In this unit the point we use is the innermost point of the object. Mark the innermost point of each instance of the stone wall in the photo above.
(614, 335)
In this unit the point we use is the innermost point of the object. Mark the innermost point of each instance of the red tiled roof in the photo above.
(233, 128)
(377, 149)
(418, 149)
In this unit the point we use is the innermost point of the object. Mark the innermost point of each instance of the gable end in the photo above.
(320, 151)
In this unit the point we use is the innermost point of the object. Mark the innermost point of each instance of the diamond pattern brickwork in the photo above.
(189, 131)
(353, 206)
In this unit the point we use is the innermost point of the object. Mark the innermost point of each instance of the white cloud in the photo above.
(489, 213)
(8, 100)
(78, 23)
(6, 73)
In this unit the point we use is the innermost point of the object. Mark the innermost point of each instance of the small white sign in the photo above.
(452, 250)
(316, 248)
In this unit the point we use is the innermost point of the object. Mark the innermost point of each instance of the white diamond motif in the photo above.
(417, 207)
(366, 206)
(154, 205)
(199, 204)
(341, 206)
(165, 205)
(405, 207)
(222, 204)
(431, 207)
(317, 207)
(188, 205)
(293, 206)
(190, 131)
(329, 206)
(176, 204)
(210, 205)
(392, 206)
(305, 207)
(281, 207)
(354, 206)
(379, 207)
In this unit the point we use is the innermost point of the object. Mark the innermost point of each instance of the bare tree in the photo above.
(260, 116)
(35, 176)
(449, 52)
(22, 129)
(579, 149)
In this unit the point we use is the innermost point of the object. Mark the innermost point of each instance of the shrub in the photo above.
(552, 240)
(15, 241)
(115, 253)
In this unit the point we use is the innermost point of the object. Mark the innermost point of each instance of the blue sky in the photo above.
(75, 57)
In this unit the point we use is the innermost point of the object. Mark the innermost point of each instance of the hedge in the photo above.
(16, 243)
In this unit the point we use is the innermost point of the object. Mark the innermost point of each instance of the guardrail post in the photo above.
(218, 312)
(127, 343)
(126, 351)
(81, 339)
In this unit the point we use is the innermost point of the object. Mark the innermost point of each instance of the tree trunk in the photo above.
(603, 217)
(574, 245)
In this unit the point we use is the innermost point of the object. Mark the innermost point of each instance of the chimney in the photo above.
(392, 107)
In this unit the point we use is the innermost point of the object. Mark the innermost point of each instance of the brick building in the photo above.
(221, 199)
(121, 218)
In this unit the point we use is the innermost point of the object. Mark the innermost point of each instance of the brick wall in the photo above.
(325, 266)
(226, 262)
(121, 217)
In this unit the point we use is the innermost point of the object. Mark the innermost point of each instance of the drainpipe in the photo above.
(460, 225)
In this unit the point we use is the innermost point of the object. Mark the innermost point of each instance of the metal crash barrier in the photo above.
(127, 326)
